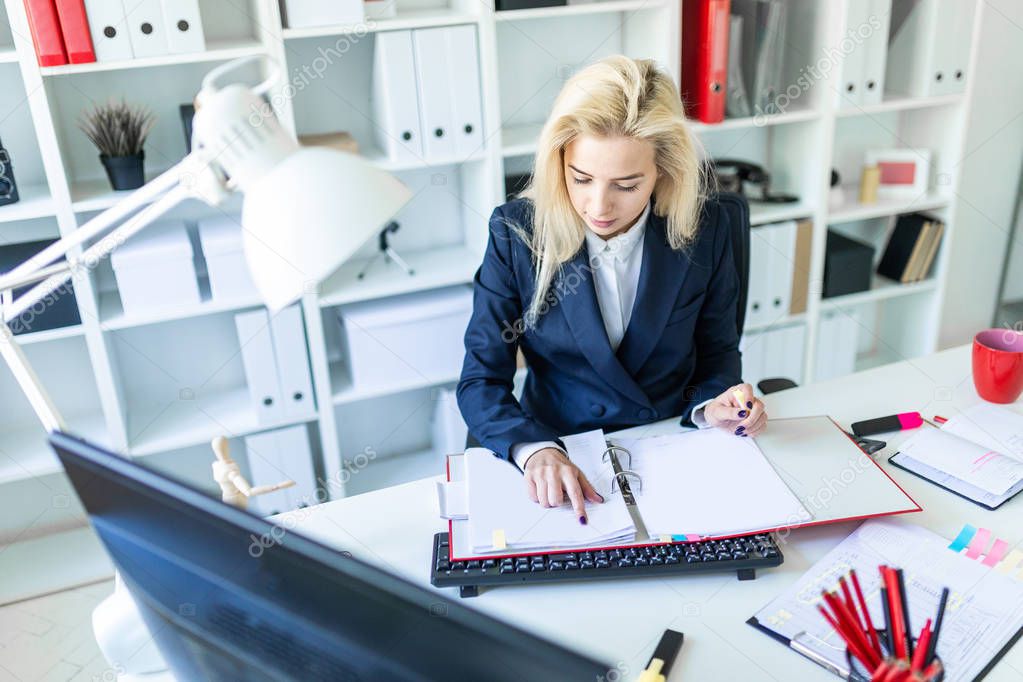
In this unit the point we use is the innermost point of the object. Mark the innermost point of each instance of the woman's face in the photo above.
(610, 180)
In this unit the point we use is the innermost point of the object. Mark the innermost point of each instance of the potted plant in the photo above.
(119, 131)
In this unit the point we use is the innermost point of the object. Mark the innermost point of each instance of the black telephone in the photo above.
(734, 175)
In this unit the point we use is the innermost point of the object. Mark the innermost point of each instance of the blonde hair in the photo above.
(615, 97)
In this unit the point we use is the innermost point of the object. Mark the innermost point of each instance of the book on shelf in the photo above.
(911, 248)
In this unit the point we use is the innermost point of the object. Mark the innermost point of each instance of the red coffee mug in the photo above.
(998, 365)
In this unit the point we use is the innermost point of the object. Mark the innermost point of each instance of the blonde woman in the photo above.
(615, 276)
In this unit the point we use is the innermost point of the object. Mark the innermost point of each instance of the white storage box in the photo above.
(156, 269)
(407, 339)
(221, 240)
(312, 13)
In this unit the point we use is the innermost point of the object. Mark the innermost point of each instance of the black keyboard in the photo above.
(743, 554)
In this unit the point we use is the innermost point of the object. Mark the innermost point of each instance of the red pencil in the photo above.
(866, 614)
(895, 606)
(921, 647)
(852, 630)
(839, 629)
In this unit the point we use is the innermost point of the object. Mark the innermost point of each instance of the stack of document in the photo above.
(977, 454)
(501, 516)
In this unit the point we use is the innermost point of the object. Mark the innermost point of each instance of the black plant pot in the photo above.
(125, 172)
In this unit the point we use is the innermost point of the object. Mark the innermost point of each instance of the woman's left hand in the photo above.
(727, 412)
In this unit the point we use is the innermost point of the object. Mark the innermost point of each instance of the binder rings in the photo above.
(985, 614)
(109, 30)
(679, 487)
(75, 29)
(46, 34)
(705, 33)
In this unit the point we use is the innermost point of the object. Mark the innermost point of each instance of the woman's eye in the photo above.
(580, 181)
(629, 189)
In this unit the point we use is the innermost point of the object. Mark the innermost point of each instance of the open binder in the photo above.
(675, 487)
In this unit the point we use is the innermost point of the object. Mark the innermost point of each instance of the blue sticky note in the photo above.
(678, 538)
(963, 539)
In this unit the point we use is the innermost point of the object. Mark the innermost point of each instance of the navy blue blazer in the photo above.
(680, 347)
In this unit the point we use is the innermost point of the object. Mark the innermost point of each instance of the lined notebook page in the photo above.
(985, 608)
(977, 465)
(708, 482)
(991, 426)
(498, 501)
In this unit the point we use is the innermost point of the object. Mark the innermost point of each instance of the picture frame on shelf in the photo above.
(904, 173)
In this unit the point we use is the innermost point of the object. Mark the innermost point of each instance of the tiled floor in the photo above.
(50, 638)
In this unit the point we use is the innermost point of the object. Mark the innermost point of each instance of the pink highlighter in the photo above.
(893, 422)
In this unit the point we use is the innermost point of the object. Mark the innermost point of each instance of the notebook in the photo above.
(977, 454)
(983, 619)
(676, 487)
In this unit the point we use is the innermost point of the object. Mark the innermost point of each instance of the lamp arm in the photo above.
(196, 176)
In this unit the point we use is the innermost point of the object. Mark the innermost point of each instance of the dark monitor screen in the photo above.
(296, 609)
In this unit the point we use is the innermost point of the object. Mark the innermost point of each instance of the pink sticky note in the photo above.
(979, 544)
(998, 550)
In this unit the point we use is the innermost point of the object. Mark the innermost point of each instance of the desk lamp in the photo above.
(306, 210)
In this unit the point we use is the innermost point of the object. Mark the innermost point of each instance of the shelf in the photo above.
(25, 452)
(52, 563)
(853, 210)
(34, 202)
(222, 50)
(344, 392)
(434, 268)
(520, 140)
(112, 315)
(8, 55)
(389, 470)
(375, 156)
(900, 103)
(788, 320)
(576, 10)
(193, 422)
(49, 335)
(96, 195)
(881, 289)
(423, 18)
(755, 121)
(763, 214)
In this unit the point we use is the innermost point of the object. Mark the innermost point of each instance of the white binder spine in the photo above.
(395, 102)
(146, 27)
(290, 351)
(781, 263)
(109, 30)
(260, 365)
(296, 461)
(183, 23)
(850, 95)
(464, 76)
(912, 63)
(266, 468)
(756, 302)
(436, 114)
(878, 17)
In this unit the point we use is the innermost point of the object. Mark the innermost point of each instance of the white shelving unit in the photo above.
(166, 381)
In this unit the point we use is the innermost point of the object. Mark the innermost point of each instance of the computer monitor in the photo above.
(295, 609)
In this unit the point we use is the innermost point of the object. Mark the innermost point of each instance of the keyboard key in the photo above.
(458, 566)
(507, 568)
(490, 563)
(472, 564)
(587, 563)
(657, 560)
(571, 565)
(557, 565)
(603, 563)
(671, 559)
(641, 561)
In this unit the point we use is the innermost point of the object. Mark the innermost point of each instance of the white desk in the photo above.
(620, 621)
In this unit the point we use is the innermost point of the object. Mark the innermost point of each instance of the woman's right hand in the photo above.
(551, 476)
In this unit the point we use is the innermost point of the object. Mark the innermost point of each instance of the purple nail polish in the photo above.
(738, 431)
(742, 413)
(743, 434)
(582, 520)
(749, 404)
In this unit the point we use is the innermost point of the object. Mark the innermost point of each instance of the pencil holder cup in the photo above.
(859, 673)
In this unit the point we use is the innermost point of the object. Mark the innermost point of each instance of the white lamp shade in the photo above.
(308, 215)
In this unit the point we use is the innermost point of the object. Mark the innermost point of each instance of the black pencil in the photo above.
(905, 612)
(933, 646)
(888, 643)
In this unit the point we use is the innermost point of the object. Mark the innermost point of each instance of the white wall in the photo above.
(991, 167)
(1014, 269)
